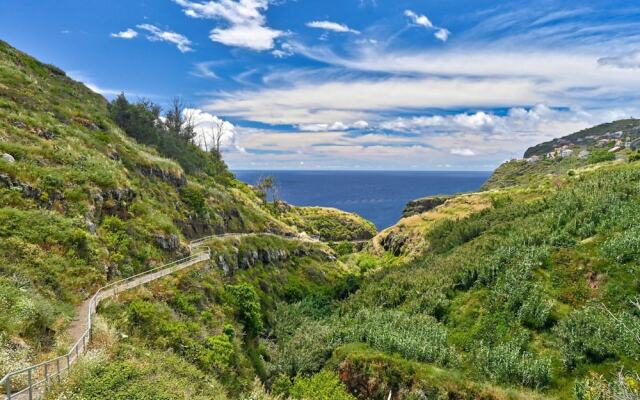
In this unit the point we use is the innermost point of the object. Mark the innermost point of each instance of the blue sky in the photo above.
(353, 84)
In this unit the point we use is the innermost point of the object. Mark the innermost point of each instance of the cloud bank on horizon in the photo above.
(358, 84)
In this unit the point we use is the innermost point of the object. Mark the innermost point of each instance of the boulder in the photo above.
(168, 242)
(8, 158)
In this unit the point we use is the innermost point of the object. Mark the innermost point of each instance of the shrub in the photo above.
(598, 156)
(507, 363)
(324, 385)
(418, 337)
(586, 335)
(248, 307)
(623, 246)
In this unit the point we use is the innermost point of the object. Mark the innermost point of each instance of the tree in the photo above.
(248, 307)
(212, 137)
(178, 122)
(267, 188)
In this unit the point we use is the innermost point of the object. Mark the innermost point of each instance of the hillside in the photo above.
(544, 163)
(82, 202)
(528, 289)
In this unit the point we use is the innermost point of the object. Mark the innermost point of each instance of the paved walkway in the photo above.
(78, 330)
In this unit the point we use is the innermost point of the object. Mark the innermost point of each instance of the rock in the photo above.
(46, 134)
(168, 242)
(176, 180)
(8, 158)
(115, 202)
(424, 204)
(394, 243)
(87, 123)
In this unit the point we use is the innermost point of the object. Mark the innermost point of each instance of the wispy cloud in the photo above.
(246, 22)
(156, 34)
(203, 70)
(440, 33)
(421, 20)
(332, 26)
(126, 34)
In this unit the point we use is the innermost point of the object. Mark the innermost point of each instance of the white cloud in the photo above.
(626, 61)
(442, 34)
(128, 34)
(285, 50)
(204, 122)
(254, 37)
(463, 152)
(246, 22)
(418, 19)
(158, 35)
(331, 26)
(203, 70)
(311, 102)
(336, 126)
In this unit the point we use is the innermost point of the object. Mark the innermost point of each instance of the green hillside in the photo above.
(528, 289)
(83, 201)
(547, 162)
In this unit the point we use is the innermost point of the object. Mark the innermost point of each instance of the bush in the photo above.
(248, 307)
(324, 385)
(417, 337)
(588, 335)
(598, 156)
(623, 246)
(507, 363)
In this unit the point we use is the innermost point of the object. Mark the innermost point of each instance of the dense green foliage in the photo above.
(84, 202)
(531, 292)
(171, 138)
(329, 224)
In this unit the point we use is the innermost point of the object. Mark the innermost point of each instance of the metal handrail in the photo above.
(39, 374)
(46, 371)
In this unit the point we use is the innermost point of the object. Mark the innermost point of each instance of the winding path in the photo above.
(32, 382)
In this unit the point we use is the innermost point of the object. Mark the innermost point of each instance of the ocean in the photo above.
(379, 196)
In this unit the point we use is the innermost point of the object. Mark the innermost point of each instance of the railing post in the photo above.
(29, 383)
(68, 363)
(8, 388)
(58, 367)
(46, 375)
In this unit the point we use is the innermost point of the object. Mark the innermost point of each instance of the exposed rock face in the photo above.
(176, 180)
(249, 258)
(168, 242)
(195, 227)
(424, 204)
(394, 243)
(114, 202)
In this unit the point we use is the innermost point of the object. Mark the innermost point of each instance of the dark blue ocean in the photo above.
(379, 196)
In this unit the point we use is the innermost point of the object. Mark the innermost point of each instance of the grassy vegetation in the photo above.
(514, 294)
(525, 290)
(329, 224)
(84, 202)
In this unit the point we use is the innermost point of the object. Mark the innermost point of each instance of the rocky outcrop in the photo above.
(245, 259)
(43, 199)
(114, 202)
(424, 204)
(177, 180)
(168, 242)
(196, 226)
(394, 242)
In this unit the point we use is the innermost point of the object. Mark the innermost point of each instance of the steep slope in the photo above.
(82, 203)
(546, 163)
(527, 290)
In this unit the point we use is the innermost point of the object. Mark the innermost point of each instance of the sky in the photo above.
(353, 84)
